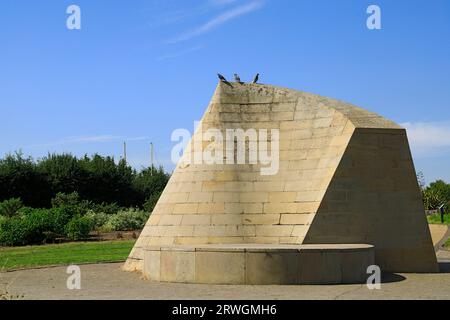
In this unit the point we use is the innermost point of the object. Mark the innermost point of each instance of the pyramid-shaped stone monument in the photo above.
(344, 196)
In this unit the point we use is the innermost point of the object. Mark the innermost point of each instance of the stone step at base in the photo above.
(259, 264)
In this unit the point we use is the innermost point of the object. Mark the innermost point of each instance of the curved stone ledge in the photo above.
(259, 264)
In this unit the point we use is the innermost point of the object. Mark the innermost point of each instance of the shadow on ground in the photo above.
(444, 267)
(387, 277)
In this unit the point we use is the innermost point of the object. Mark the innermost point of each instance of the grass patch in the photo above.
(436, 219)
(447, 243)
(64, 254)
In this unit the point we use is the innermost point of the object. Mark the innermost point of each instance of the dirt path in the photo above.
(107, 281)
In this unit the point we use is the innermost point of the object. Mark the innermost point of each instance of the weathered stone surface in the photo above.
(345, 176)
(259, 264)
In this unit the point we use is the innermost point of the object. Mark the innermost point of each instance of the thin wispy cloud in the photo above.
(84, 139)
(428, 138)
(179, 53)
(221, 2)
(172, 15)
(219, 20)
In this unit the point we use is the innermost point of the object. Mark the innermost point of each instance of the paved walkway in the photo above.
(107, 281)
(439, 234)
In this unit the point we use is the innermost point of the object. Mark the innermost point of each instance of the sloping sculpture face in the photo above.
(345, 176)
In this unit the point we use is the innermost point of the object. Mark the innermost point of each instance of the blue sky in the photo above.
(139, 69)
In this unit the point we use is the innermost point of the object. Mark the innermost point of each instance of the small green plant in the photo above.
(9, 208)
(78, 228)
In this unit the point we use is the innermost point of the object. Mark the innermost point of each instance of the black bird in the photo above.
(222, 78)
(255, 80)
(237, 78)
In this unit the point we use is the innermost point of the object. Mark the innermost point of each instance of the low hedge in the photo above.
(69, 217)
(35, 226)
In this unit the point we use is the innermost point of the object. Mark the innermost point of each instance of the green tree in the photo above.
(151, 182)
(63, 172)
(421, 180)
(20, 179)
(436, 194)
(97, 179)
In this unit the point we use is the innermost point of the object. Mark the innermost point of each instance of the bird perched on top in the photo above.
(237, 78)
(255, 80)
(222, 78)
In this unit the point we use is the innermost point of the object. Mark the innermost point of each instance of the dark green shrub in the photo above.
(9, 208)
(151, 202)
(64, 199)
(34, 228)
(56, 218)
(107, 208)
(72, 203)
(37, 226)
(78, 228)
(13, 232)
(60, 217)
(40, 226)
